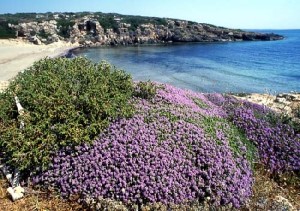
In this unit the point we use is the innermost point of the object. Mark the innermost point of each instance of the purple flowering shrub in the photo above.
(177, 148)
(276, 137)
(278, 145)
(278, 142)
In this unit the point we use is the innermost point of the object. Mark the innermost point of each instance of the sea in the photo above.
(239, 67)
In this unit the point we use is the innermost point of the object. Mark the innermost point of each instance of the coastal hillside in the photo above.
(95, 29)
(87, 131)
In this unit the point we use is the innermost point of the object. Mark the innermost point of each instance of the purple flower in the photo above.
(175, 149)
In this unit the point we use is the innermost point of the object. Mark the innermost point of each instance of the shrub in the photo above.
(152, 158)
(66, 102)
(297, 112)
(278, 145)
(275, 136)
(64, 26)
(137, 21)
(108, 22)
(177, 147)
(145, 90)
(5, 31)
(44, 35)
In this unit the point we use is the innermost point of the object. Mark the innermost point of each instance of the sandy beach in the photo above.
(17, 55)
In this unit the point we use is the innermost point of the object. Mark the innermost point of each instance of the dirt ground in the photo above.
(267, 195)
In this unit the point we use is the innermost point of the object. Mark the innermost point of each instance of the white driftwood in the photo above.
(20, 111)
(16, 191)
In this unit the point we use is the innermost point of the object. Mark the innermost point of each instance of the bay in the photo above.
(254, 66)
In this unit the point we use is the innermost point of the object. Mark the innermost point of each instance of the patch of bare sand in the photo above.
(17, 55)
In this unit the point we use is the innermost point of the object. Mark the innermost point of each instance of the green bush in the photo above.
(145, 90)
(283, 118)
(64, 26)
(108, 22)
(44, 35)
(66, 103)
(136, 21)
(5, 31)
(297, 112)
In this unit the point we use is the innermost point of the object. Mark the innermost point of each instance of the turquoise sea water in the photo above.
(263, 67)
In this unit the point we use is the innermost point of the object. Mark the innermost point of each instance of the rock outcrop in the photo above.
(285, 103)
(38, 33)
(88, 31)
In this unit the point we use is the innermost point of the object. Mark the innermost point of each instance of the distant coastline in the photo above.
(62, 34)
(97, 29)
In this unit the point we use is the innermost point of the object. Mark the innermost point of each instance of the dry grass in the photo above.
(3, 85)
(35, 202)
(266, 192)
(265, 197)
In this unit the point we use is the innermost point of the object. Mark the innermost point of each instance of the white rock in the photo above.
(16, 193)
(9, 176)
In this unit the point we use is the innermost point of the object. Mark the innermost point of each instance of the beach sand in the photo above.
(16, 55)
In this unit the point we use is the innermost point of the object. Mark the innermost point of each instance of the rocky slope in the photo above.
(287, 104)
(94, 29)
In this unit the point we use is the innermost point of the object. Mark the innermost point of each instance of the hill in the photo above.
(94, 29)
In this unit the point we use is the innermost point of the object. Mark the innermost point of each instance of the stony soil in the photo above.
(285, 103)
(267, 195)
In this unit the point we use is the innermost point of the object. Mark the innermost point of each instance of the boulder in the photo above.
(53, 38)
(35, 40)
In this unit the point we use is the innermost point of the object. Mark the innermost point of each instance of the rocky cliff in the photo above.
(108, 29)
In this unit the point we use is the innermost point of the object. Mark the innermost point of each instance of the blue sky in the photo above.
(245, 14)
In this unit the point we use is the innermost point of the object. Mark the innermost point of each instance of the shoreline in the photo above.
(16, 55)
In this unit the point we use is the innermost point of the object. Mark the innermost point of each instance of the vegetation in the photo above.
(67, 103)
(5, 31)
(67, 20)
(180, 160)
(18, 17)
(64, 26)
(136, 21)
(43, 34)
(62, 23)
(145, 90)
(108, 22)
(96, 134)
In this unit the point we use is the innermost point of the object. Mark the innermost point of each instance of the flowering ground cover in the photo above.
(174, 147)
(278, 143)
(177, 148)
(180, 146)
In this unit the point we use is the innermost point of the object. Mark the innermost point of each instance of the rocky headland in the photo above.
(96, 29)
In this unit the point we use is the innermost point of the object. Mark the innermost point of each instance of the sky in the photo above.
(243, 14)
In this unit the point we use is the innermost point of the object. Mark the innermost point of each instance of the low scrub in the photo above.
(100, 136)
(66, 102)
(171, 151)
